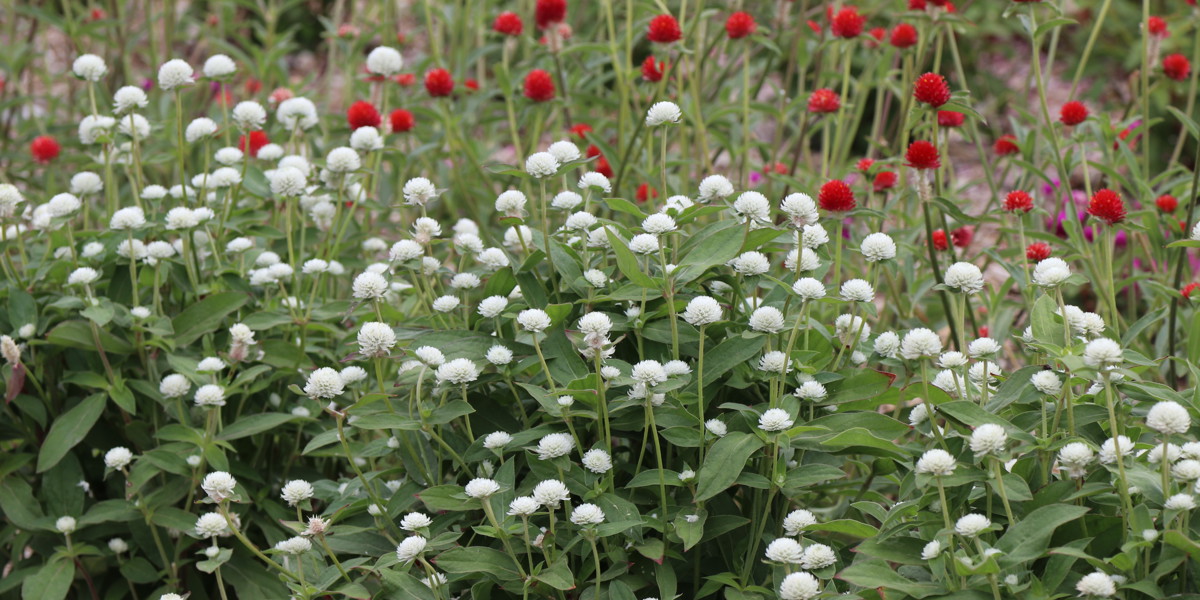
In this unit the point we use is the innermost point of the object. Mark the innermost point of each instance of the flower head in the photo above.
(931, 89)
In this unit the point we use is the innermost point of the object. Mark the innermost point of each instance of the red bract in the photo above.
(363, 114)
(405, 79)
(1007, 144)
(251, 146)
(592, 151)
(1018, 200)
(836, 196)
(44, 148)
(1037, 251)
(664, 29)
(904, 36)
(645, 192)
(815, 27)
(549, 12)
(1176, 66)
(940, 241)
(471, 84)
(847, 23)
(438, 82)
(962, 236)
(508, 23)
(916, 4)
(1188, 289)
(603, 168)
(539, 86)
(922, 155)
(652, 70)
(950, 118)
(1166, 203)
(581, 130)
(1107, 206)
(884, 180)
(402, 120)
(823, 100)
(1157, 27)
(740, 25)
(1073, 113)
(877, 34)
(931, 89)
(864, 164)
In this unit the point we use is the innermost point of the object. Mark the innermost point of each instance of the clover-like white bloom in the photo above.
(817, 556)
(218, 485)
(296, 114)
(702, 310)
(1097, 584)
(343, 160)
(813, 236)
(752, 206)
(811, 391)
(936, 462)
(988, 438)
(716, 427)
(663, 112)
(366, 139)
(296, 491)
(89, 67)
(385, 60)
(414, 521)
(775, 419)
(481, 488)
(1051, 272)
(541, 165)
(857, 290)
(800, 209)
(564, 151)
(799, 586)
(1102, 352)
(294, 545)
(878, 247)
(784, 550)
(643, 243)
(430, 356)
(972, 525)
(649, 372)
(964, 277)
(795, 521)
(324, 383)
(931, 550)
(550, 493)
(533, 320)
(369, 285)
(118, 546)
(211, 525)
(1110, 447)
(410, 548)
(595, 181)
(523, 506)
(210, 395)
(174, 386)
(1168, 417)
(499, 355)
(767, 319)
(554, 445)
(597, 461)
(1047, 382)
(249, 115)
(658, 224)
(496, 440)
(587, 515)
(118, 458)
(1075, 457)
(1180, 502)
(459, 371)
(1186, 470)
(920, 343)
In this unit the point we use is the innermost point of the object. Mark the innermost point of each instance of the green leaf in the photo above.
(78, 334)
(18, 504)
(211, 564)
(724, 463)
(876, 574)
(848, 527)
(478, 559)
(1028, 538)
(51, 582)
(716, 249)
(862, 440)
(250, 425)
(1179, 540)
(68, 430)
(1048, 327)
(728, 354)
(690, 531)
(860, 385)
(408, 586)
(557, 575)
(628, 263)
(1187, 121)
(205, 316)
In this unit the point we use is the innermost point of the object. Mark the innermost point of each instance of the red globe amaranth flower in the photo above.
(864, 164)
(664, 29)
(592, 151)
(471, 84)
(44, 149)
(740, 25)
(815, 27)
(539, 86)
(836, 196)
(823, 100)
(405, 79)
(884, 180)
(1073, 113)
(98, 14)
(251, 146)
(1177, 67)
(1188, 289)
(1124, 136)
(645, 192)
(253, 86)
(940, 241)
(847, 23)
(279, 95)
(1018, 200)
(983, 329)
(877, 34)
(777, 168)
(931, 89)
(904, 36)
(1166, 203)
(1007, 144)
(438, 82)
(962, 236)
(549, 12)
(402, 120)
(1157, 27)
(581, 130)
(922, 155)
(1037, 251)
(950, 118)
(363, 114)
(1107, 206)
(603, 168)
(508, 23)
(652, 69)
(916, 4)
(347, 30)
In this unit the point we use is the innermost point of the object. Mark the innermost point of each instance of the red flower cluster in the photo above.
(539, 86)
(940, 241)
(602, 166)
(664, 29)
(1018, 200)
(645, 192)
(1107, 206)
(1157, 27)
(864, 164)
(256, 141)
(884, 180)
(1037, 251)
(904, 36)
(836, 196)
(402, 120)
(931, 89)
(847, 23)
(438, 82)
(922, 155)
(1166, 203)
(549, 12)
(961, 237)
(581, 130)
(950, 118)
(652, 69)
(823, 100)
(363, 114)
(1188, 289)
(740, 25)
(1073, 113)
(1007, 144)
(508, 23)
(1177, 67)
(44, 148)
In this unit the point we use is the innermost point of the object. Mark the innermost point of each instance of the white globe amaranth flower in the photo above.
(950, 382)
(587, 515)
(643, 243)
(129, 98)
(541, 165)
(658, 224)
(983, 347)
(564, 151)
(595, 181)
(499, 355)
(878, 247)
(750, 263)
(459, 371)
(343, 160)
(270, 152)
(716, 427)
(418, 191)
(1097, 584)
(352, 375)
(799, 586)
(887, 344)
(1051, 272)
(1047, 382)
(533, 320)
(296, 114)
(130, 217)
(1168, 417)
(752, 206)
(369, 285)
(1110, 447)
(851, 327)
(931, 550)
(118, 546)
(550, 493)
(988, 438)
(936, 462)
(430, 356)
(715, 187)
(65, 525)
(85, 183)
(92, 127)
(174, 386)
(89, 67)
(324, 383)
(410, 548)
(210, 395)
(795, 521)
(964, 277)
(414, 521)
(702, 310)
(523, 506)
(493, 259)
(1102, 353)
(294, 545)
(210, 525)
(554, 445)
(497, 440)
(219, 66)
(972, 525)
(857, 290)
(784, 550)
(817, 556)
(1186, 470)
(1075, 457)
(296, 491)
(62, 205)
(920, 343)
(249, 115)
(661, 113)
(811, 391)
(566, 200)
(218, 485)
(767, 319)
(597, 461)
(481, 488)
(649, 372)
(385, 60)
(366, 139)
(774, 362)
(952, 359)
(118, 458)
(174, 73)
(775, 419)
(1180, 502)
(809, 288)
(226, 156)
(800, 209)
(813, 236)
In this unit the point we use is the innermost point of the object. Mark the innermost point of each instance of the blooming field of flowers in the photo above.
(492, 299)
